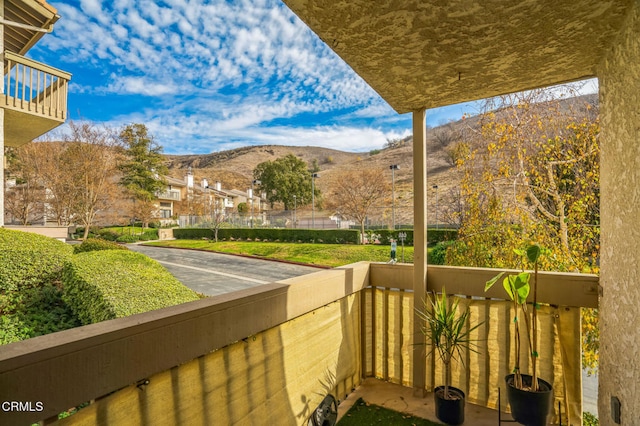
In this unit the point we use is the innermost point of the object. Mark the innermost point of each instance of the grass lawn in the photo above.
(368, 414)
(330, 255)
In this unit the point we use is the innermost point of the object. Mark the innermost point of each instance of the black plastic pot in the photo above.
(529, 408)
(450, 411)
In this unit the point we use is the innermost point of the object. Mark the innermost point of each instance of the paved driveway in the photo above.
(214, 273)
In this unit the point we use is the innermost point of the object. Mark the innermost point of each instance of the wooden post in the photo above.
(419, 244)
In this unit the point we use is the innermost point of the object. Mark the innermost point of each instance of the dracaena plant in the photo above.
(446, 327)
(518, 288)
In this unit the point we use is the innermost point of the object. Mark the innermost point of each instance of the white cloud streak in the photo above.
(217, 69)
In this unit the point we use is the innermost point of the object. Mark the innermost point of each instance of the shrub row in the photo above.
(328, 236)
(110, 235)
(94, 244)
(107, 284)
(35, 269)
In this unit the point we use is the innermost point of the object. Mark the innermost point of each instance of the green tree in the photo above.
(284, 180)
(143, 168)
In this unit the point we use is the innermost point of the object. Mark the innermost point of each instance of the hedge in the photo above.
(327, 236)
(107, 284)
(94, 244)
(29, 260)
(30, 273)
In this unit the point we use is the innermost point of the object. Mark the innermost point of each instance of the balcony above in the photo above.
(34, 99)
(169, 195)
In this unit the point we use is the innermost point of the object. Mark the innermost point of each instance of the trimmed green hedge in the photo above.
(94, 244)
(128, 238)
(30, 273)
(107, 284)
(327, 236)
(29, 260)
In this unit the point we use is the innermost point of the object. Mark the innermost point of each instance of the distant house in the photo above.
(192, 202)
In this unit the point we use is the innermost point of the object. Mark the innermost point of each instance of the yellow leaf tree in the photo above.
(531, 174)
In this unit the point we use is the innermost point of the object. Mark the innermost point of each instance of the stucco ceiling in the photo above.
(423, 54)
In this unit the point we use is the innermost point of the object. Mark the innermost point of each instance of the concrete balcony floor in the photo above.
(401, 398)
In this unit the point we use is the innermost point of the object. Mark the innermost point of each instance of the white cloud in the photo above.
(221, 71)
(139, 86)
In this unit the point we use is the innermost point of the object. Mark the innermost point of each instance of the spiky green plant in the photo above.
(446, 326)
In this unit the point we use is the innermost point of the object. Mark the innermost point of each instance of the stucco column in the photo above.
(419, 244)
(619, 372)
(2, 119)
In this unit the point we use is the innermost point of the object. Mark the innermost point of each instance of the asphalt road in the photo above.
(213, 273)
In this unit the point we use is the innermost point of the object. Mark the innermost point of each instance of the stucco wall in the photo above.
(620, 211)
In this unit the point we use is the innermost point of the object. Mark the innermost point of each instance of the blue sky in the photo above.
(207, 76)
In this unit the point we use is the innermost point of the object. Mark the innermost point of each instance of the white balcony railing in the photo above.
(35, 88)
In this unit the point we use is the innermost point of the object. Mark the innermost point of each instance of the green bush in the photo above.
(93, 244)
(148, 235)
(30, 267)
(589, 419)
(38, 311)
(29, 260)
(438, 255)
(128, 238)
(107, 284)
(107, 234)
(327, 236)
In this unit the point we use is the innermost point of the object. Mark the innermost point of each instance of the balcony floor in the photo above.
(401, 398)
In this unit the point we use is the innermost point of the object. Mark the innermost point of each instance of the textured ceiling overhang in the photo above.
(423, 54)
(36, 13)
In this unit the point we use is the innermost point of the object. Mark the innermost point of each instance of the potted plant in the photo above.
(529, 396)
(446, 328)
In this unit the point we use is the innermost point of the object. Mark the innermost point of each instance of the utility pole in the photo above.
(436, 188)
(393, 168)
(313, 200)
(253, 182)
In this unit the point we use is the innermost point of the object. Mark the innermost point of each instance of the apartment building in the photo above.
(34, 94)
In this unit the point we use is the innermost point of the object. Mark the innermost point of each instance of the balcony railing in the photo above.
(169, 195)
(273, 352)
(35, 88)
